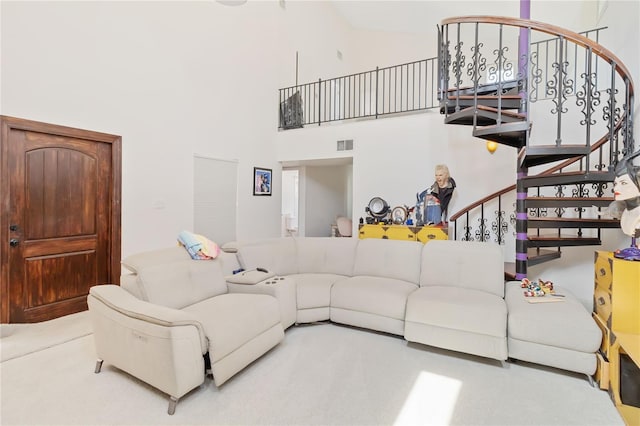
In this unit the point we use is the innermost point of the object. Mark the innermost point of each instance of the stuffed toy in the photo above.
(539, 289)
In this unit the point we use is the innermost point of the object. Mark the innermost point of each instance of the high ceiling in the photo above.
(422, 16)
(417, 16)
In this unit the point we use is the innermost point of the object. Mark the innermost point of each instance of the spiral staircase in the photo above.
(581, 98)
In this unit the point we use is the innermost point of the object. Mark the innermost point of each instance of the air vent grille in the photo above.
(345, 145)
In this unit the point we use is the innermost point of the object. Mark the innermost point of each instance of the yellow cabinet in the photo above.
(429, 233)
(399, 232)
(625, 300)
(622, 361)
(617, 313)
(424, 234)
(372, 231)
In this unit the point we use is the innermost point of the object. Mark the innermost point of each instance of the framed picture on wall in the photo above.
(262, 181)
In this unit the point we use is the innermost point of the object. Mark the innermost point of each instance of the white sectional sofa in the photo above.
(173, 316)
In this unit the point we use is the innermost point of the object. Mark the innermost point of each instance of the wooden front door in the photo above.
(60, 195)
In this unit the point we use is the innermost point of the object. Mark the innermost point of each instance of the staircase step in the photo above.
(464, 101)
(511, 134)
(537, 202)
(486, 116)
(486, 89)
(537, 256)
(543, 154)
(562, 241)
(571, 222)
(568, 178)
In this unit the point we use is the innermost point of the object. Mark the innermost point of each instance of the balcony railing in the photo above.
(403, 88)
(392, 90)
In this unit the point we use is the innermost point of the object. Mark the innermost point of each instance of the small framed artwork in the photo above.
(262, 181)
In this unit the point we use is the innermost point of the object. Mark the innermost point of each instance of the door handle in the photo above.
(14, 242)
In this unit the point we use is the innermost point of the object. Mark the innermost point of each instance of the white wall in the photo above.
(394, 158)
(176, 79)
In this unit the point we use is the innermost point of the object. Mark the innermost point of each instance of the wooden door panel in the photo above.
(63, 245)
(56, 278)
(61, 193)
(64, 190)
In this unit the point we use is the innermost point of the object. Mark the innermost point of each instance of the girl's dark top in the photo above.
(442, 194)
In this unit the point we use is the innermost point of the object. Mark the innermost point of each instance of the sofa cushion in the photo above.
(275, 255)
(314, 290)
(472, 265)
(232, 320)
(183, 283)
(458, 309)
(388, 258)
(326, 255)
(136, 262)
(564, 324)
(375, 295)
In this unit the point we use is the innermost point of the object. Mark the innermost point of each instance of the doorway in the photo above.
(315, 193)
(290, 201)
(61, 192)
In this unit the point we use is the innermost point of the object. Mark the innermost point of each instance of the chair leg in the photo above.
(98, 366)
(173, 401)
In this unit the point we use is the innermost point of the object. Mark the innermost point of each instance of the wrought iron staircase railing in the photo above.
(498, 94)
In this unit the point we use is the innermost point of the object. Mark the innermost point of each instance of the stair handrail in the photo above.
(554, 30)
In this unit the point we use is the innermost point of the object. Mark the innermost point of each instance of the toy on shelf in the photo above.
(539, 289)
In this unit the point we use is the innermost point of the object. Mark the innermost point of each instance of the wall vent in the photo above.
(348, 145)
(345, 145)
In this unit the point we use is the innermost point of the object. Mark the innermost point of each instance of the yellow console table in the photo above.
(424, 234)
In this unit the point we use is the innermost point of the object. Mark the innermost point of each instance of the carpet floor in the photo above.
(321, 374)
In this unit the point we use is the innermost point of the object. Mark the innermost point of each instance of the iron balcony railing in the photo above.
(396, 89)
(401, 88)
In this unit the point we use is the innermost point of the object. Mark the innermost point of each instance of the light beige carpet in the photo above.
(322, 374)
(21, 339)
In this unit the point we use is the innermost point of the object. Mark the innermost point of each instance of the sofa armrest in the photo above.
(125, 303)
(250, 277)
(161, 346)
